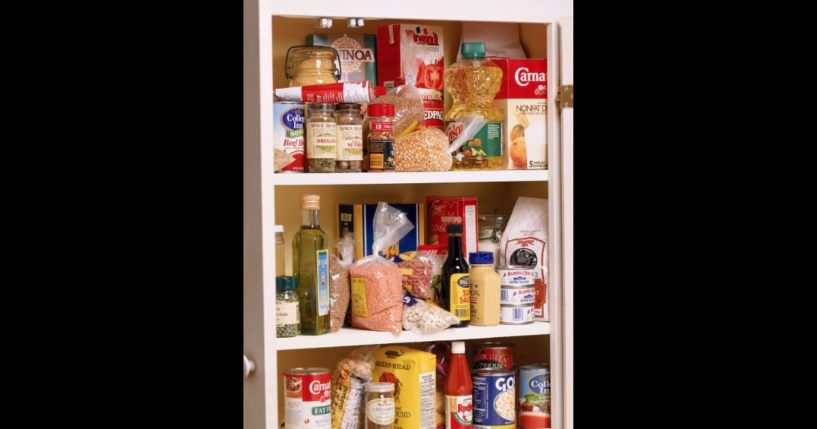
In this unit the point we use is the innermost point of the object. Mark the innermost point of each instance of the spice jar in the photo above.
(380, 140)
(379, 406)
(350, 138)
(321, 137)
(287, 313)
(280, 248)
(311, 65)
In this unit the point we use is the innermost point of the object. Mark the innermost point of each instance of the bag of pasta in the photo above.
(349, 387)
(339, 282)
(377, 283)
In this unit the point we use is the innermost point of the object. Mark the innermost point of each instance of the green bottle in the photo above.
(310, 258)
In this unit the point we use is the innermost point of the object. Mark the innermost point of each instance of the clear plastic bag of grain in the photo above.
(422, 150)
(408, 110)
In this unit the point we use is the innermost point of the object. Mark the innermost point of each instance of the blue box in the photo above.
(358, 219)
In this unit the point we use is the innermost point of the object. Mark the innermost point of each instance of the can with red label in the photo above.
(432, 109)
(493, 355)
(308, 398)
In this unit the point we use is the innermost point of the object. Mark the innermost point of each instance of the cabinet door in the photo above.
(566, 33)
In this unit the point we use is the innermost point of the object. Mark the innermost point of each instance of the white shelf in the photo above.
(357, 337)
(300, 179)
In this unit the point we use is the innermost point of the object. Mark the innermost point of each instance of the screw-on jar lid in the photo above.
(285, 283)
(311, 202)
(454, 227)
(380, 387)
(348, 106)
(481, 258)
(320, 106)
(381, 109)
(278, 228)
(473, 50)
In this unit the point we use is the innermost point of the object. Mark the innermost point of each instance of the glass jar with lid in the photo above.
(490, 231)
(350, 138)
(287, 308)
(321, 137)
(311, 65)
(380, 139)
(379, 405)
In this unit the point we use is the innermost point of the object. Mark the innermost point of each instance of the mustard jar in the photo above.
(311, 65)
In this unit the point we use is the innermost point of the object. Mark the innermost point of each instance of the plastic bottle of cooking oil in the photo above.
(474, 124)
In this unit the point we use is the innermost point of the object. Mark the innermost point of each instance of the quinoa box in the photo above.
(357, 54)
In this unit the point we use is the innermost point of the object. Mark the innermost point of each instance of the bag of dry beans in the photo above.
(377, 283)
(339, 282)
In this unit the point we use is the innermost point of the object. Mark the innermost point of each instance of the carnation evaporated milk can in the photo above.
(308, 398)
(522, 98)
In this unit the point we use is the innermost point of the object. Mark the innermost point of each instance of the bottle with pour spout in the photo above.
(474, 123)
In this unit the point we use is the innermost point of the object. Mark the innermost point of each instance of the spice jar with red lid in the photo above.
(380, 139)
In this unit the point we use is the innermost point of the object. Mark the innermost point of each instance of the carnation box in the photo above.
(410, 52)
(443, 211)
(522, 98)
(357, 53)
(358, 219)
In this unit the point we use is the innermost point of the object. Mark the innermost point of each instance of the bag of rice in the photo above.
(377, 283)
(413, 374)
(349, 388)
(339, 282)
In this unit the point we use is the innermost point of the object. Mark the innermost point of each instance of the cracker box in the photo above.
(522, 98)
(358, 219)
(443, 211)
(410, 52)
(357, 53)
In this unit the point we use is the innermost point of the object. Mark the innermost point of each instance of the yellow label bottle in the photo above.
(485, 289)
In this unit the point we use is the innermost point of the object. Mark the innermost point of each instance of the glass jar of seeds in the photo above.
(321, 137)
(287, 313)
(350, 138)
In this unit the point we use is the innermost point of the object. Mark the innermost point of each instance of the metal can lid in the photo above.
(535, 366)
(493, 371)
(496, 345)
(306, 371)
(379, 387)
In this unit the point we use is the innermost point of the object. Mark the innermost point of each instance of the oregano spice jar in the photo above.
(321, 137)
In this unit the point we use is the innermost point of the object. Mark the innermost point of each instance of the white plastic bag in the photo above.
(423, 317)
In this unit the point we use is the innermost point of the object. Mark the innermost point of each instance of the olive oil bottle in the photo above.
(310, 257)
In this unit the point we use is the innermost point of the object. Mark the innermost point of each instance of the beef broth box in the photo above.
(443, 211)
(358, 219)
(522, 98)
(357, 54)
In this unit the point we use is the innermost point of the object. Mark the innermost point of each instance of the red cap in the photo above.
(381, 109)
(380, 90)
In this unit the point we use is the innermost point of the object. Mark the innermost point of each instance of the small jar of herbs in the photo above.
(321, 137)
(287, 313)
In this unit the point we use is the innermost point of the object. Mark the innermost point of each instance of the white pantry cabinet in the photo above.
(270, 27)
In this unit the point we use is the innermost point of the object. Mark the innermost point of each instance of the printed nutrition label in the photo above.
(427, 392)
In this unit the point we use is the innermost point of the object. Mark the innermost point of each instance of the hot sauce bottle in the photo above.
(458, 390)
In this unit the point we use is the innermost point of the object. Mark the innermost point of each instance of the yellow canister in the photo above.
(485, 289)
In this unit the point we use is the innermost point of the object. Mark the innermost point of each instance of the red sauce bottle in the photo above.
(458, 390)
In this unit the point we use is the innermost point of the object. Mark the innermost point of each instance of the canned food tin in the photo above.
(534, 396)
(308, 398)
(493, 355)
(515, 314)
(514, 275)
(524, 295)
(494, 398)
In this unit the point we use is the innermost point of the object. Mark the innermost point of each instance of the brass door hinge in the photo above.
(565, 99)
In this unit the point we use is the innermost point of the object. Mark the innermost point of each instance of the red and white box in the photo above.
(410, 52)
(443, 211)
(522, 98)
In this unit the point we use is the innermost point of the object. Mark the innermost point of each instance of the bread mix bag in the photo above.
(413, 373)
(524, 243)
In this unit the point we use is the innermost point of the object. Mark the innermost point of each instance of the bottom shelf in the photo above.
(356, 337)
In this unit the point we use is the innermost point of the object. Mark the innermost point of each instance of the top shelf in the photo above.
(300, 179)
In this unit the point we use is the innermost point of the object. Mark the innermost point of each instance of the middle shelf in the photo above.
(295, 179)
(356, 337)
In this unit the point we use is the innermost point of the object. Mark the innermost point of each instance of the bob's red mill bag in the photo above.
(524, 243)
